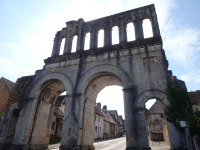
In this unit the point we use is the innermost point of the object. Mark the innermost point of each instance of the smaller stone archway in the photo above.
(176, 138)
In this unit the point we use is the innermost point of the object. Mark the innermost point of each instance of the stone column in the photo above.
(136, 134)
(68, 44)
(138, 30)
(122, 33)
(108, 36)
(154, 23)
(56, 45)
(80, 42)
(93, 39)
(76, 130)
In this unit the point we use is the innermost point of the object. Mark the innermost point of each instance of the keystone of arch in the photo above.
(118, 72)
(56, 75)
(146, 95)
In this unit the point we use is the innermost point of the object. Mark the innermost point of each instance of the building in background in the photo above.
(194, 98)
(118, 126)
(99, 122)
(11, 92)
(109, 124)
(6, 87)
(156, 121)
(56, 125)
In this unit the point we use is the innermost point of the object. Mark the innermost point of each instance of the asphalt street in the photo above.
(118, 144)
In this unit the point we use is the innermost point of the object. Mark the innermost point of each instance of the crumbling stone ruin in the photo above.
(139, 66)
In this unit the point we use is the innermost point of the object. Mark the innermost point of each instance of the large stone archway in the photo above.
(139, 66)
(34, 122)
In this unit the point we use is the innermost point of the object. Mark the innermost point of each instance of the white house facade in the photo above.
(98, 131)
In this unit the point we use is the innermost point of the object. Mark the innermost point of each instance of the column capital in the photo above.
(129, 89)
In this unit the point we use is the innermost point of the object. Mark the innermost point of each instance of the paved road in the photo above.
(111, 144)
(120, 144)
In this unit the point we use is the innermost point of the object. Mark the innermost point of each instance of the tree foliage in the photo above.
(181, 108)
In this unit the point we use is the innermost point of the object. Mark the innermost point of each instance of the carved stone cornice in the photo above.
(105, 50)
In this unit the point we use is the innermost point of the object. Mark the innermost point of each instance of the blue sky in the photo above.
(27, 29)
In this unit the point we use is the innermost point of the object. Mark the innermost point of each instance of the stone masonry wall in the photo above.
(18, 90)
(4, 95)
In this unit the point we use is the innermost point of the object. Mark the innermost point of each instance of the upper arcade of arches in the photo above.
(80, 28)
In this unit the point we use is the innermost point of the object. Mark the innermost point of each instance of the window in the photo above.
(147, 28)
(130, 32)
(62, 46)
(69, 132)
(115, 35)
(98, 119)
(101, 38)
(96, 128)
(53, 125)
(100, 129)
(161, 116)
(87, 41)
(74, 43)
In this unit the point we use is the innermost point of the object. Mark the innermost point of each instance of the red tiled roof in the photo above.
(194, 97)
(9, 83)
(107, 117)
(98, 111)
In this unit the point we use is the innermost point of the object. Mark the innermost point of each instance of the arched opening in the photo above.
(74, 43)
(115, 35)
(87, 41)
(156, 124)
(130, 32)
(107, 121)
(147, 28)
(47, 124)
(101, 38)
(62, 46)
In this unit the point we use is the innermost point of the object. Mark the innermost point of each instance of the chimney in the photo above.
(99, 105)
(105, 108)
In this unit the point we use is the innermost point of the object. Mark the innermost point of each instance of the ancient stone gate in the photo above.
(139, 66)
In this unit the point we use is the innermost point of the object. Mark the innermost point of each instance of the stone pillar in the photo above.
(68, 44)
(138, 29)
(177, 141)
(154, 23)
(56, 45)
(93, 39)
(108, 36)
(80, 42)
(78, 126)
(136, 133)
(122, 33)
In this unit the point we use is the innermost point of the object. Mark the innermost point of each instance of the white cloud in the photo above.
(8, 67)
(182, 44)
(193, 76)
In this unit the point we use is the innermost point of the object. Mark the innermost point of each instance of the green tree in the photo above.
(180, 109)
(197, 118)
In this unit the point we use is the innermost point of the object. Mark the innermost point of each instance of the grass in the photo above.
(54, 140)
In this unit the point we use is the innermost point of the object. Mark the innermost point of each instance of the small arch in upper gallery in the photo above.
(74, 43)
(62, 45)
(115, 35)
(101, 38)
(147, 28)
(87, 41)
(130, 31)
